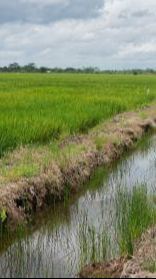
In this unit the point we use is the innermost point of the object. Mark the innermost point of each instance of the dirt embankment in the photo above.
(142, 264)
(102, 145)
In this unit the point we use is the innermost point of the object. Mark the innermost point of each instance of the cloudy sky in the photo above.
(104, 33)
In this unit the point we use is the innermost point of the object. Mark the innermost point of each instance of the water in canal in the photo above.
(84, 229)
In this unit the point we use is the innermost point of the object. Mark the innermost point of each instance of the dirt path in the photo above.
(101, 146)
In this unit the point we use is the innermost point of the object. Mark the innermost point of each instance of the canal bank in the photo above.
(89, 226)
(104, 144)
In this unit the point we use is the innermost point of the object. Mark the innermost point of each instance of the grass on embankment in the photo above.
(36, 108)
(34, 160)
(136, 213)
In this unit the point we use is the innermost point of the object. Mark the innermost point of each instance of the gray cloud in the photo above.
(46, 11)
(104, 33)
(142, 13)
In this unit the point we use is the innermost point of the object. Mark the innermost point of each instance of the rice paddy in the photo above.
(41, 108)
(102, 221)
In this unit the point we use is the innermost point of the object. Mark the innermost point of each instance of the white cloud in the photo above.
(123, 35)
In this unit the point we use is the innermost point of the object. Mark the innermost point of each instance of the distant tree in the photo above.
(30, 68)
(69, 70)
(135, 72)
(151, 71)
(14, 67)
(91, 70)
(43, 69)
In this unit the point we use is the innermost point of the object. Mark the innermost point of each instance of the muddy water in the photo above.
(81, 230)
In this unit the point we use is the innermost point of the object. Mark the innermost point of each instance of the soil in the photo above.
(112, 269)
(143, 263)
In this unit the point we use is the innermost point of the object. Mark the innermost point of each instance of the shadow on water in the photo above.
(99, 223)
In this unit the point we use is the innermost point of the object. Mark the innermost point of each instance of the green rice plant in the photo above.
(42, 108)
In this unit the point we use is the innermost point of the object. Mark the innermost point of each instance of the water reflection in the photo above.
(85, 229)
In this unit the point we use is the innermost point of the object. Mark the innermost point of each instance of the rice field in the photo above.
(41, 108)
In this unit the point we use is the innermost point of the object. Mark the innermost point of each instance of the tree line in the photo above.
(32, 68)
